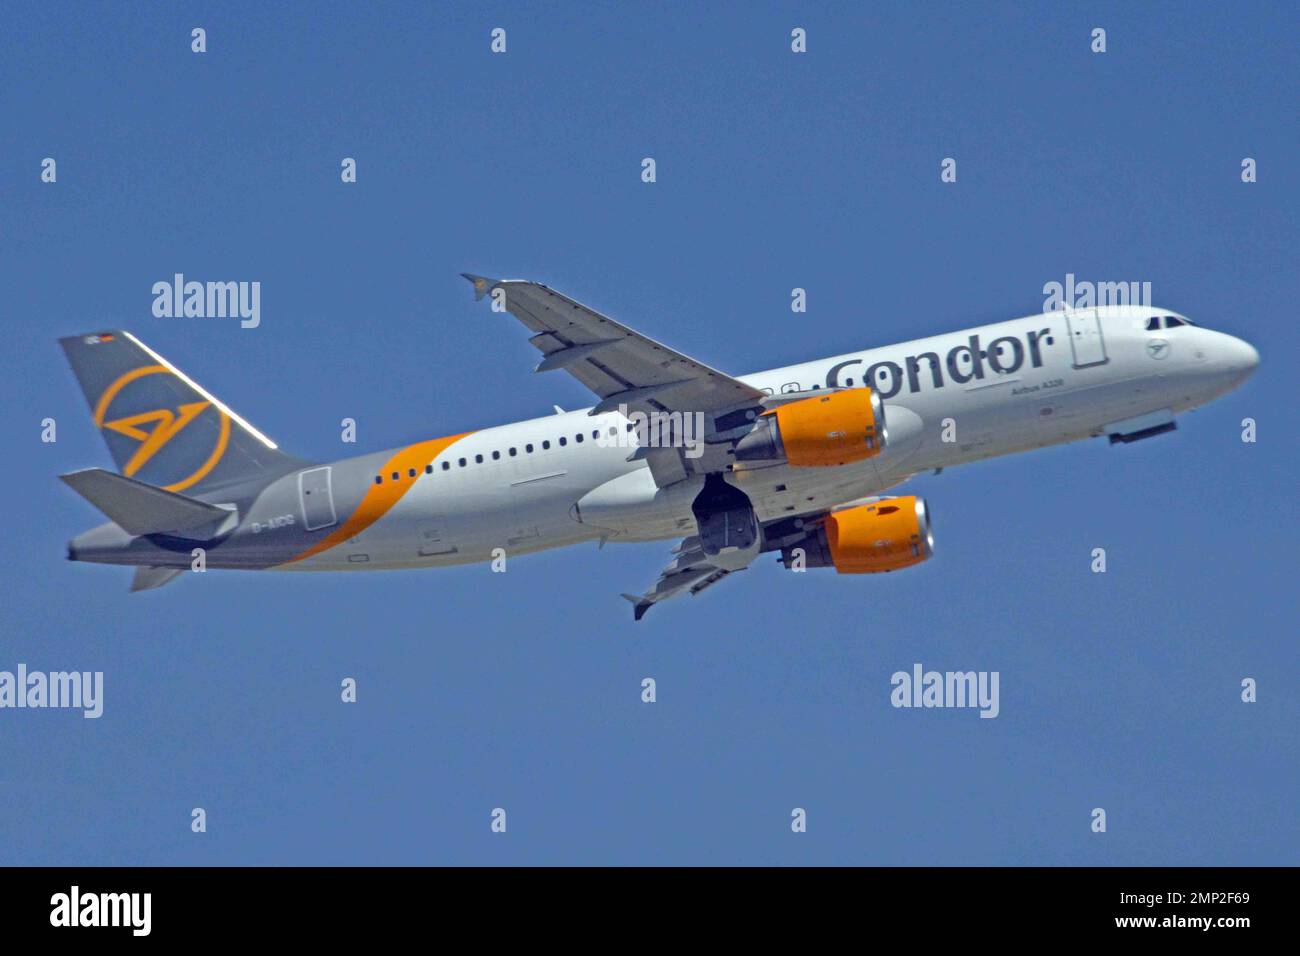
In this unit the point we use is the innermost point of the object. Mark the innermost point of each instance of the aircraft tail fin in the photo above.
(161, 426)
(138, 508)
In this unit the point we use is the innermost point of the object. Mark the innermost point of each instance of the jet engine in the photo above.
(886, 535)
(818, 432)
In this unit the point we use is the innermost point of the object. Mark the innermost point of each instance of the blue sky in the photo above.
(775, 170)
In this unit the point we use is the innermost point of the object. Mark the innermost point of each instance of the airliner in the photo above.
(796, 461)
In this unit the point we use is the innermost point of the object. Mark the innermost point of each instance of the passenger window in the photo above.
(478, 459)
(513, 452)
(595, 433)
(496, 456)
(461, 462)
(563, 440)
(546, 444)
(848, 382)
(578, 438)
(410, 472)
(613, 432)
(529, 449)
(379, 479)
(396, 475)
(428, 469)
(446, 466)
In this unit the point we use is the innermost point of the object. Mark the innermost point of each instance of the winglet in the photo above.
(481, 284)
(639, 605)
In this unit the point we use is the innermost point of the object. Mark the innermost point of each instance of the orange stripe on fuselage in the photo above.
(379, 499)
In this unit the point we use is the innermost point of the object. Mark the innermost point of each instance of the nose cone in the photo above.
(1242, 358)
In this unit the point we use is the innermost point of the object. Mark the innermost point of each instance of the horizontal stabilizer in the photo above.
(146, 577)
(138, 508)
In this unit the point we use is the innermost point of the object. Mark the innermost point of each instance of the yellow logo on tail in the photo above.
(167, 424)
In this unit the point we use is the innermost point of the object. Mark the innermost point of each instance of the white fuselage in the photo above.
(1041, 380)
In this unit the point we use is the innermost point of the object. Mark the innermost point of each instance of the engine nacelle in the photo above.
(884, 536)
(827, 430)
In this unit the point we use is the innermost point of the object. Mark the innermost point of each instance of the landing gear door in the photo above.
(317, 496)
(1087, 343)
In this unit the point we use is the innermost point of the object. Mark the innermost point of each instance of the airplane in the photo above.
(795, 460)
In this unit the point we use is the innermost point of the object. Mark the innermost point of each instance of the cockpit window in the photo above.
(1173, 320)
(1153, 324)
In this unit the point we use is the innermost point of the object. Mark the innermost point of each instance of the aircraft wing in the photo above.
(623, 367)
(688, 573)
(691, 570)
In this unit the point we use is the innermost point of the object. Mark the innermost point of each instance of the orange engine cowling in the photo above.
(890, 534)
(833, 429)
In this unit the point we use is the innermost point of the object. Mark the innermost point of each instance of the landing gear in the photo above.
(729, 531)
